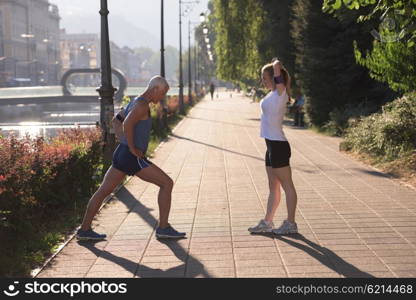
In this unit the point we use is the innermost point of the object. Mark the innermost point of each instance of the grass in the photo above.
(30, 251)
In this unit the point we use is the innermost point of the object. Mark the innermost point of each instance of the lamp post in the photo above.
(181, 103)
(162, 41)
(106, 90)
(196, 67)
(163, 121)
(189, 64)
(190, 60)
(181, 106)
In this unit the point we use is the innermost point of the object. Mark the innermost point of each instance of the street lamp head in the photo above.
(202, 17)
(27, 35)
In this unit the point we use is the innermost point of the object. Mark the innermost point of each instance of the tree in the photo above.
(325, 64)
(393, 56)
(249, 34)
(401, 12)
(277, 41)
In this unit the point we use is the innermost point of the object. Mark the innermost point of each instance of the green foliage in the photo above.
(402, 12)
(389, 134)
(392, 59)
(393, 63)
(341, 118)
(326, 70)
(239, 31)
(277, 40)
(125, 101)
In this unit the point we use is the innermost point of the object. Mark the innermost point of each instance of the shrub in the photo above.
(389, 134)
(342, 118)
(42, 183)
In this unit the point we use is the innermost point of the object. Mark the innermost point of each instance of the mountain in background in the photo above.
(122, 32)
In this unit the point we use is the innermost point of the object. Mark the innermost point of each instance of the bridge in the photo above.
(65, 94)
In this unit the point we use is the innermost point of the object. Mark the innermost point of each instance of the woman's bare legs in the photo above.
(274, 194)
(284, 176)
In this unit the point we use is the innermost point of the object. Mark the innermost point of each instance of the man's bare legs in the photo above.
(112, 178)
(155, 175)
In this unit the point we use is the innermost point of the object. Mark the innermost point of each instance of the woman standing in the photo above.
(273, 106)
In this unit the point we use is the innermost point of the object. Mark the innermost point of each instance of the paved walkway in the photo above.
(353, 220)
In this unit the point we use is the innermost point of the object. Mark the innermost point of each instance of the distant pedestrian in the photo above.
(298, 111)
(132, 127)
(212, 90)
(273, 106)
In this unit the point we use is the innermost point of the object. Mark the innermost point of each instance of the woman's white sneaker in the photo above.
(262, 227)
(286, 228)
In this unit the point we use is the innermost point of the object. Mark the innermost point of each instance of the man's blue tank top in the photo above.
(141, 129)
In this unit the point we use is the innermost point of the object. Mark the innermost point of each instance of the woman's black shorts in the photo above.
(278, 154)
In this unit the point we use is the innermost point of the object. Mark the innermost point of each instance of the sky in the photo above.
(135, 22)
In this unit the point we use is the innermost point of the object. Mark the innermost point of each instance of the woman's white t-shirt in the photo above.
(273, 109)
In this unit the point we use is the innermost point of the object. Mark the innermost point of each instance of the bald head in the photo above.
(156, 89)
(159, 82)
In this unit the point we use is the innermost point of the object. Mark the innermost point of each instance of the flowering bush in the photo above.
(43, 180)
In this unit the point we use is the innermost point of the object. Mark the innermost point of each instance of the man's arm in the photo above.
(138, 113)
(117, 122)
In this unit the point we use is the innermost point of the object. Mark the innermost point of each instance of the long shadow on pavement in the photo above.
(135, 206)
(223, 110)
(323, 255)
(222, 122)
(376, 173)
(216, 147)
(133, 267)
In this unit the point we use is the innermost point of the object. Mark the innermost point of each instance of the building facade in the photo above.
(82, 50)
(29, 42)
(79, 50)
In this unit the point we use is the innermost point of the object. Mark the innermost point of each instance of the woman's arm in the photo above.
(278, 76)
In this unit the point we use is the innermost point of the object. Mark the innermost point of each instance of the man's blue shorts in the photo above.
(128, 163)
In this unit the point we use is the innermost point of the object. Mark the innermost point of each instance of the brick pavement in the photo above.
(353, 220)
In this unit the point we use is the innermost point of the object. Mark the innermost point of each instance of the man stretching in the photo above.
(132, 126)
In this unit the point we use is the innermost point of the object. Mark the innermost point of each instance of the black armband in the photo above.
(278, 79)
(120, 118)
